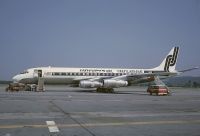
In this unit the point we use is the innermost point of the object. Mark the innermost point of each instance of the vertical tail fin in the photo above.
(169, 63)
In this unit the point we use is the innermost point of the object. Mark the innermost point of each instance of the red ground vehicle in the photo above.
(158, 90)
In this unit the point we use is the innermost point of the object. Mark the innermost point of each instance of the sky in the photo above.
(97, 33)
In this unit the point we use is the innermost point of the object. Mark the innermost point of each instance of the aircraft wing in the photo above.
(128, 77)
(91, 79)
(132, 78)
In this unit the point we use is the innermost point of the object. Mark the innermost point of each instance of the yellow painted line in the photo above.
(104, 124)
(129, 123)
(21, 126)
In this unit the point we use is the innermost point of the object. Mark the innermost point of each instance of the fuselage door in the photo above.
(37, 73)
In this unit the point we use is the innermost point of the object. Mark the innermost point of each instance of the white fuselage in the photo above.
(59, 75)
(99, 77)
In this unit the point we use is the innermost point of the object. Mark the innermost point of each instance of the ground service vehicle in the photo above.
(158, 90)
(15, 87)
(21, 87)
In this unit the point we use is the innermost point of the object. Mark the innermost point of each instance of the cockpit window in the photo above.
(24, 72)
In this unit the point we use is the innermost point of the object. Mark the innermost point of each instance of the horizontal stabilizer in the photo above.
(190, 69)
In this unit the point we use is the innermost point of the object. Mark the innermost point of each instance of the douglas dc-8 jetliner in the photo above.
(101, 78)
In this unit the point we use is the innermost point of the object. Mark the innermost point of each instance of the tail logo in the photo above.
(171, 59)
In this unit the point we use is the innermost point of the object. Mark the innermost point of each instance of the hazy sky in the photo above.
(97, 33)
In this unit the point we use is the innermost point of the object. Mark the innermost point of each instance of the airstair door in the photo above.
(40, 79)
(37, 73)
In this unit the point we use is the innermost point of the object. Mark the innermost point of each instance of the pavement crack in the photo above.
(75, 120)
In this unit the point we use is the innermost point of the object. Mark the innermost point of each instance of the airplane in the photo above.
(101, 78)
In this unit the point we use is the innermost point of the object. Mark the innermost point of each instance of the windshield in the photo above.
(24, 72)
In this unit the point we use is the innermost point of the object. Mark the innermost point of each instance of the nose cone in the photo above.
(16, 79)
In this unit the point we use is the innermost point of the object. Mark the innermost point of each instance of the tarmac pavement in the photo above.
(64, 111)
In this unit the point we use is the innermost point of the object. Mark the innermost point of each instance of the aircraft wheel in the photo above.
(105, 90)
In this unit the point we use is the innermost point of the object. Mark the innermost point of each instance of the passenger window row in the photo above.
(86, 74)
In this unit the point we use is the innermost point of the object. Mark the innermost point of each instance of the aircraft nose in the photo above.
(16, 78)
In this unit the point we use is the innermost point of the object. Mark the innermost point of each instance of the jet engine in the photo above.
(114, 83)
(90, 84)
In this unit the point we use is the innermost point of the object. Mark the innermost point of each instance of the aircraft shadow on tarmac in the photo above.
(116, 92)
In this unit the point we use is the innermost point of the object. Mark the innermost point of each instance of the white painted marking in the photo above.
(69, 96)
(52, 126)
(112, 100)
(84, 100)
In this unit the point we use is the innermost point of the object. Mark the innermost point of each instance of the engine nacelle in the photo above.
(90, 84)
(114, 83)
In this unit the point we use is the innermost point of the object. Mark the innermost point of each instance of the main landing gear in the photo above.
(105, 90)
